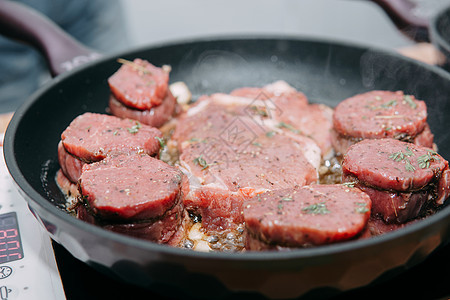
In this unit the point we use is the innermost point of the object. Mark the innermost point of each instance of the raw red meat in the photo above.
(310, 215)
(155, 116)
(380, 114)
(139, 84)
(130, 187)
(91, 137)
(402, 179)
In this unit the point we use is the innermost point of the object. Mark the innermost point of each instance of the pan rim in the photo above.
(299, 254)
(435, 33)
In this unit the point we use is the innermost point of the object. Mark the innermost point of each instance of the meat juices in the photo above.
(91, 137)
(402, 179)
(134, 194)
(380, 114)
(307, 216)
(140, 91)
(69, 188)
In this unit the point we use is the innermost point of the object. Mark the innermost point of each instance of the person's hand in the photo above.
(424, 52)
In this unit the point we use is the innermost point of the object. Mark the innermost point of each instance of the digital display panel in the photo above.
(10, 243)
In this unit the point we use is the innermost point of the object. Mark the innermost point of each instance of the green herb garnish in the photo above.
(410, 101)
(386, 105)
(270, 134)
(399, 155)
(287, 199)
(350, 184)
(134, 65)
(424, 160)
(389, 104)
(403, 156)
(200, 161)
(316, 209)
(134, 129)
(162, 142)
(196, 140)
(259, 111)
(361, 208)
(408, 166)
(289, 127)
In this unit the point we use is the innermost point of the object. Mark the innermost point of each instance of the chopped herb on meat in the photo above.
(424, 160)
(134, 65)
(389, 104)
(200, 161)
(134, 129)
(162, 142)
(196, 140)
(410, 101)
(288, 198)
(408, 166)
(350, 184)
(316, 209)
(399, 155)
(270, 134)
(361, 207)
(289, 127)
(403, 156)
(259, 111)
(386, 105)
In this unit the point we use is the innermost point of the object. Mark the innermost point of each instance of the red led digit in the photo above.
(15, 246)
(17, 254)
(11, 233)
(10, 244)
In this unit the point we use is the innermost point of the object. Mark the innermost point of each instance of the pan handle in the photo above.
(407, 18)
(62, 52)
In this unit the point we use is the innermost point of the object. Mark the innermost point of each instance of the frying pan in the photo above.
(326, 71)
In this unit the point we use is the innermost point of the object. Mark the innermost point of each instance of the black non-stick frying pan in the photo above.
(326, 71)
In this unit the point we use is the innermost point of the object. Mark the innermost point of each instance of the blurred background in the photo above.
(113, 26)
(349, 20)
